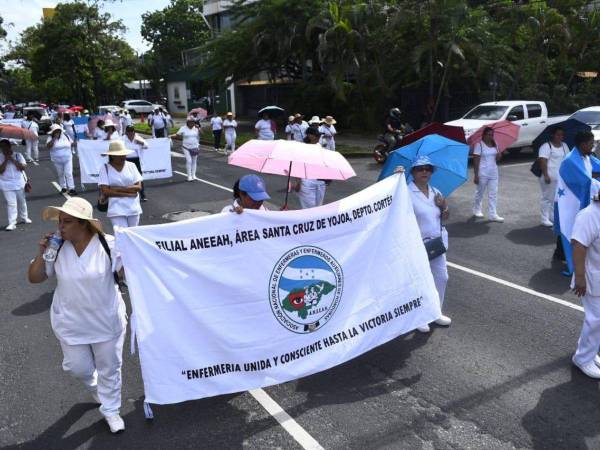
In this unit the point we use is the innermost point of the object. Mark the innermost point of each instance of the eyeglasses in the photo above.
(423, 169)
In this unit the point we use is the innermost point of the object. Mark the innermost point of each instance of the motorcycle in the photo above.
(382, 150)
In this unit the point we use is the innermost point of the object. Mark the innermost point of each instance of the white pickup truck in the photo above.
(590, 116)
(531, 116)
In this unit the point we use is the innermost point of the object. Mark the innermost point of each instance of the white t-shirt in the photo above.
(487, 162)
(288, 131)
(61, 150)
(190, 137)
(554, 155)
(87, 306)
(158, 121)
(231, 208)
(230, 125)
(69, 127)
(114, 136)
(265, 132)
(298, 131)
(427, 213)
(586, 231)
(12, 179)
(129, 175)
(216, 123)
(328, 133)
(98, 133)
(31, 126)
(135, 145)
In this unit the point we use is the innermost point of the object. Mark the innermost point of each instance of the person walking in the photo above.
(311, 193)
(190, 142)
(98, 133)
(158, 123)
(31, 145)
(69, 126)
(88, 313)
(230, 126)
(288, 128)
(430, 209)
(120, 182)
(61, 156)
(551, 155)
(328, 132)
(110, 131)
(136, 144)
(264, 129)
(12, 184)
(299, 127)
(485, 159)
(585, 240)
(216, 124)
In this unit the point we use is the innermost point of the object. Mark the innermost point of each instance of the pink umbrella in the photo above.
(292, 159)
(202, 113)
(12, 132)
(505, 134)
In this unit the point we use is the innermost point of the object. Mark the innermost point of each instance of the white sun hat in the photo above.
(77, 207)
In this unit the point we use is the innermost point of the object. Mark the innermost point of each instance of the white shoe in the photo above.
(115, 423)
(546, 223)
(478, 214)
(444, 321)
(190, 179)
(12, 226)
(597, 360)
(424, 329)
(95, 397)
(496, 219)
(27, 220)
(590, 369)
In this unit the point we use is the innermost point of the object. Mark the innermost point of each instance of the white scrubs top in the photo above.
(129, 175)
(12, 179)
(554, 155)
(231, 125)
(427, 213)
(87, 306)
(264, 130)
(135, 146)
(487, 162)
(328, 133)
(586, 231)
(61, 150)
(31, 126)
(190, 137)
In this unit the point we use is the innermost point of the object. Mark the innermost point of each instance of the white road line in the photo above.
(58, 188)
(518, 164)
(305, 440)
(205, 181)
(516, 286)
(177, 155)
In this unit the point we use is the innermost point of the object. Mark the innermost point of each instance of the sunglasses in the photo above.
(423, 169)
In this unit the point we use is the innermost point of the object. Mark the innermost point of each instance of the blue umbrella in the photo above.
(450, 159)
(571, 127)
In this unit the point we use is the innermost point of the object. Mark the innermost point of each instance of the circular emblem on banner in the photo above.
(305, 289)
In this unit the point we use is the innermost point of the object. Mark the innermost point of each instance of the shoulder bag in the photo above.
(102, 204)
(27, 188)
(435, 246)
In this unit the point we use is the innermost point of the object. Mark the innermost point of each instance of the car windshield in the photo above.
(590, 117)
(486, 112)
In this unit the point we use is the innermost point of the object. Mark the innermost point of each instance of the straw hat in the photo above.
(109, 123)
(229, 114)
(329, 120)
(314, 120)
(77, 207)
(117, 148)
(54, 127)
(290, 118)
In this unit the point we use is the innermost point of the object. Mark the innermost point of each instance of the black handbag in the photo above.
(102, 204)
(536, 168)
(435, 246)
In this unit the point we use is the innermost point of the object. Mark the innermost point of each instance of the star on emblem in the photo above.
(561, 192)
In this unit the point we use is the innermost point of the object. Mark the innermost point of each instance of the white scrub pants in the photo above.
(32, 150)
(230, 141)
(98, 367)
(439, 270)
(191, 162)
(491, 185)
(64, 168)
(547, 202)
(125, 221)
(589, 341)
(15, 200)
(311, 193)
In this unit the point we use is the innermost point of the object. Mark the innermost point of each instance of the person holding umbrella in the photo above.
(430, 209)
(311, 193)
(485, 159)
(264, 129)
(59, 145)
(550, 155)
(12, 184)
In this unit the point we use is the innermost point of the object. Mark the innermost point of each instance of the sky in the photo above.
(20, 14)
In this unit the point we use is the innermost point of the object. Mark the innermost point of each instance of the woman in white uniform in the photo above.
(12, 184)
(110, 131)
(61, 156)
(136, 144)
(87, 312)
(551, 155)
(69, 126)
(190, 137)
(311, 193)
(121, 182)
(328, 131)
(485, 158)
(230, 126)
(31, 145)
(264, 129)
(430, 209)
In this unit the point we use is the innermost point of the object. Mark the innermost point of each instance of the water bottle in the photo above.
(53, 246)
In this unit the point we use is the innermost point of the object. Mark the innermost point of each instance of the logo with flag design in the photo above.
(305, 289)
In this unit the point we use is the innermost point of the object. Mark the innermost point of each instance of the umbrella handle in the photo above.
(287, 186)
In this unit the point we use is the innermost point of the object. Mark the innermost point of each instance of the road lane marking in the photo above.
(301, 436)
(177, 154)
(205, 181)
(516, 286)
(518, 164)
(58, 188)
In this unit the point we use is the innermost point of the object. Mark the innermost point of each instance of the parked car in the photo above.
(108, 109)
(531, 116)
(591, 116)
(41, 115)
(137, 107)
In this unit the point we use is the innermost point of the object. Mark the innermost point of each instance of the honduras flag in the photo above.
(572, 194)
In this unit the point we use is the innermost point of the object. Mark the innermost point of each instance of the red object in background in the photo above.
(448, 131)
(76, 108)
(12, 132)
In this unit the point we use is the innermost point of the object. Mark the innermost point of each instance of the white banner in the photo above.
(13, 122)
(155, 160)
(233, 302)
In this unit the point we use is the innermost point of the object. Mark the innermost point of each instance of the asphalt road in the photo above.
(499, 377)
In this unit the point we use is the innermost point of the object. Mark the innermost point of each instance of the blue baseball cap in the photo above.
(255, 187)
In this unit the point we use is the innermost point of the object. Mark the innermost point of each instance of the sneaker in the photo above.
(12, 226)
(478, 214)
(546, 223)
(590, 368)
(115, 423)
(424, 329)
(597, 360)
(26, 220)
(496, 219)
(444, 321)
(72, 192)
